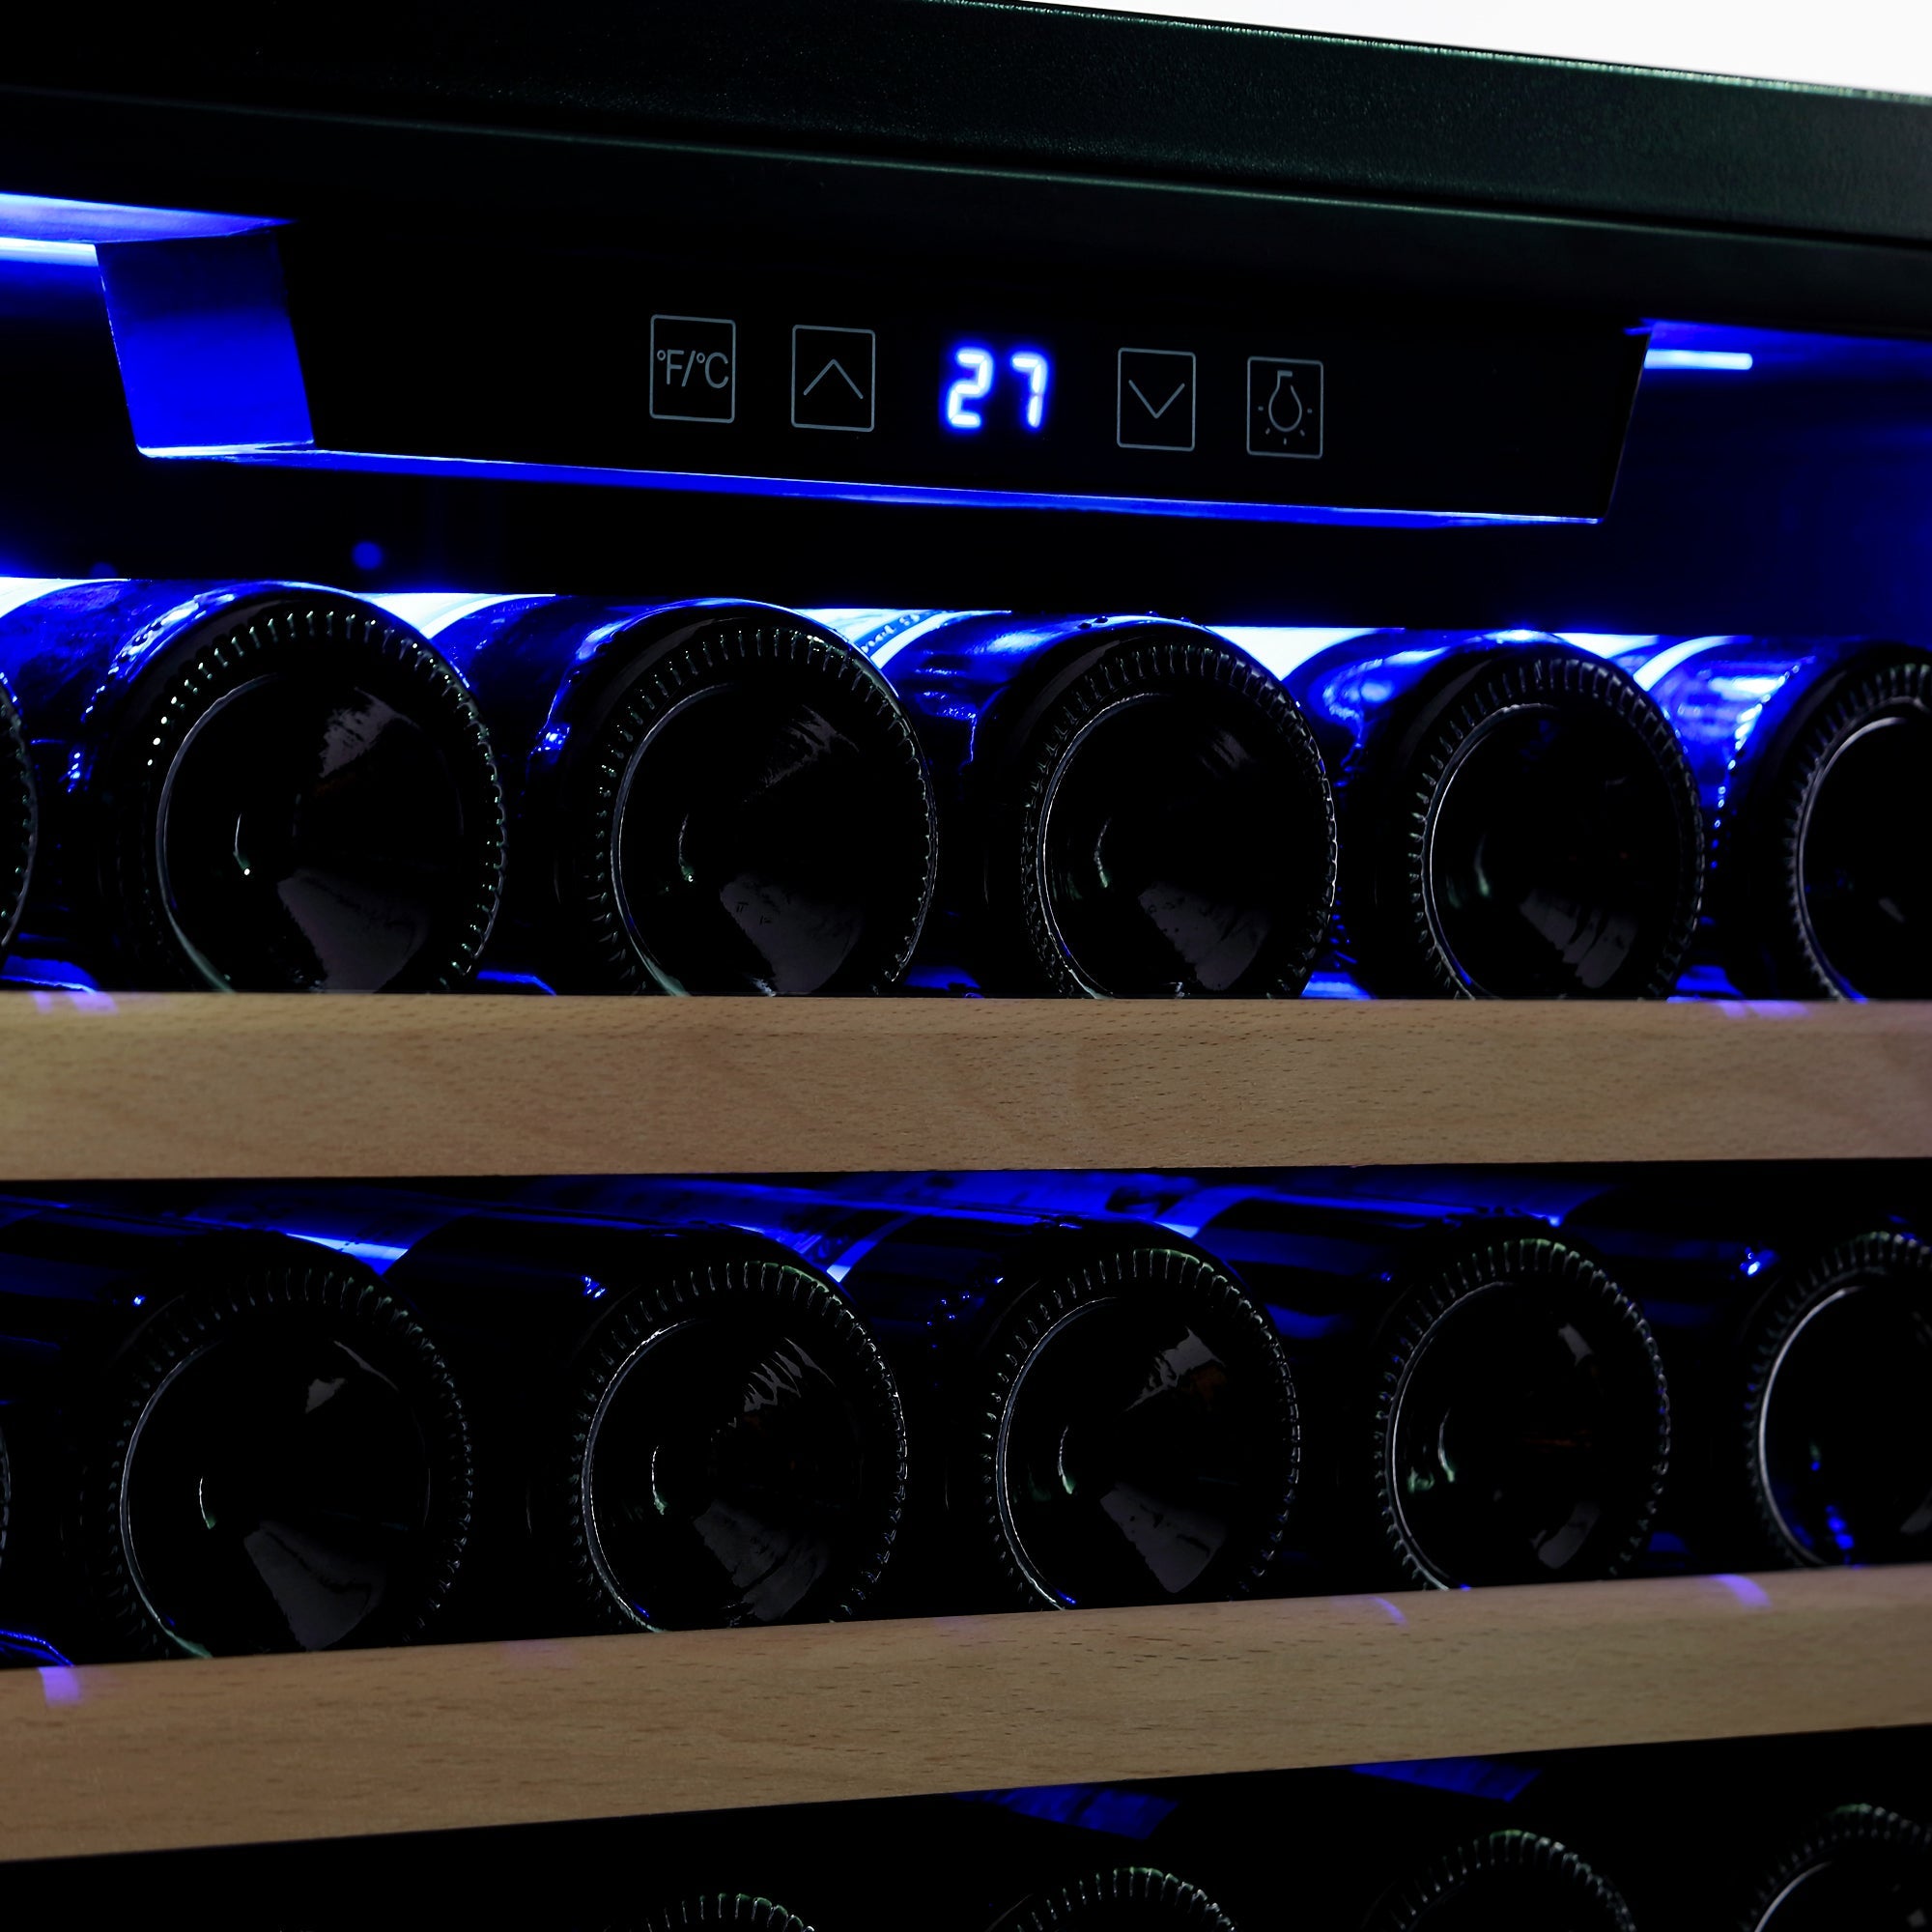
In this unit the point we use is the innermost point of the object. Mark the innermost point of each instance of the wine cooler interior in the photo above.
(1325, 648)
(1724, 514)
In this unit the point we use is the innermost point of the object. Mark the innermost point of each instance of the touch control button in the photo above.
(1154, 402)
(833, 373)
(1283, 407)
(694, 368)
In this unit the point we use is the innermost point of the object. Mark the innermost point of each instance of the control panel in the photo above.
(613, 364)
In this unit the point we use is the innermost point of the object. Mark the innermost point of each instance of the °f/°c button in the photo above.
(1283, 407)
(833, 372)
(694, 368)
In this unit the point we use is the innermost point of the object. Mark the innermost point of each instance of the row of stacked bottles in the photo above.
(262, 787)
(242, 1418)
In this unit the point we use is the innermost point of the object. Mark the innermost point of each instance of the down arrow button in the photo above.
(1155, 407)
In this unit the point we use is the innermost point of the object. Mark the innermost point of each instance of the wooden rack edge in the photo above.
(198, 1084)
(159, 1756)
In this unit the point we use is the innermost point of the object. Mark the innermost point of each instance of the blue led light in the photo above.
(378, 1254)
(46, 976)
(1651, 671)
(1841, 1535)
(1609, 643)
(518, 983)
(17, 590)
(1294, 1323)
(1719, 348)
(1123, 1814)
(27, 1645)
(38, 217)
(432, 611)
(1333, 986)
(290, 456)
(1278, 649)
(972, 388)
(1473, 1776)
(47, 254)
(882, 634)
(1036, 372)
(40, 233)
(1736, 360)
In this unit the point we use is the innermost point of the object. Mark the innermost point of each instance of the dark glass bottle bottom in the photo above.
(1523, 1435)
(772, 836)
(311, 836)
(1862, 1868)
(1865, 869)
(276, 1496)
(1145, 1447)
(1184, 849)
(1133, 1898)
(1842, 1455)
(1506, 1881)
(739, 1469)
(1554, 856)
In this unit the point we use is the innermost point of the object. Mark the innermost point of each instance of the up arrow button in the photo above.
(833, 375)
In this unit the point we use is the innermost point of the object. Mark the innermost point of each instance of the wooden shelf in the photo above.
(261, 1748)
(199, 1084)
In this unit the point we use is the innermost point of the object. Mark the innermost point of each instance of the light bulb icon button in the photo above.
(1285, 410)
(1283, 407)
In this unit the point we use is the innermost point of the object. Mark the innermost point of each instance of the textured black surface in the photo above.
(1040, 87)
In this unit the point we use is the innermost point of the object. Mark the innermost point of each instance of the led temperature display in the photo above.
(982, 386)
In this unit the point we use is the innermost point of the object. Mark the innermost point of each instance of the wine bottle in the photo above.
(1798, 1325)
(1130, 805)
(1504, 1882)
(1128, 1898)
(1098, 1414)
(695, 1425)
(1517, 820)
(220, 1441)
(1794, 1323)
(20, 813)
(1860, 1865)
(1485, 1403)
(1394, 1843)
(722, 1908)
(706, 797)
(1811, 758)
(258, 786)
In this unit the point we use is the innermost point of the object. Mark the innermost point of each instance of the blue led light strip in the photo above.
(302, 456)
(31, 249)
(78, 224)
(1735, 359)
